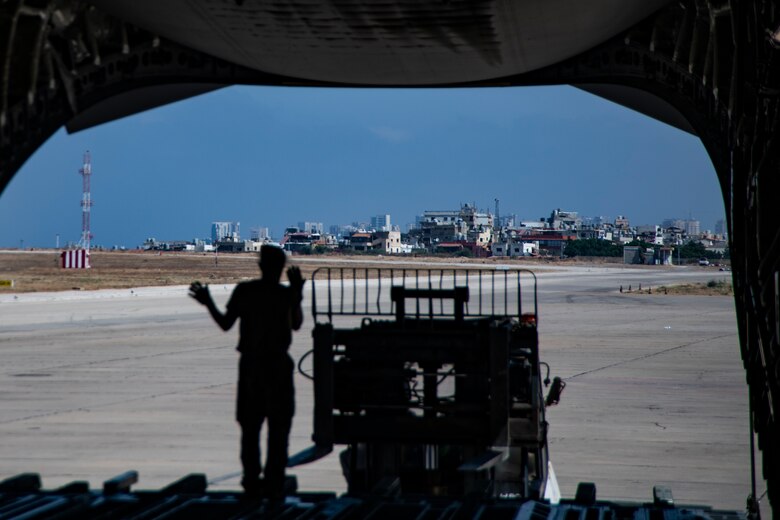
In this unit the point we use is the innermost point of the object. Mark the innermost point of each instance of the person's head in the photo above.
(271, 262)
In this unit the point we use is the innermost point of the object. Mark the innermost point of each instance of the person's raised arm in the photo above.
(201, 293)
(296, 284)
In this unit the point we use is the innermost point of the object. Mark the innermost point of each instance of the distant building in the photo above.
(692, 228)
(311, 227)
(550, 242)
(634, 255)
(673, 235)
(649, 256)
(720, 227)
(202, 247)
(360, 241)
(651, 234)
(224, 230)
(441, 217)
(381, 223)
(342, 230)
(717, 246)
(621, 222)
(560, 219)
(596, 233)
(533, 224)
(481, 236)
(467, 214)
(253, 245)
(512, 248)
(673, 222)
(595, 222)
(168, 245)
(506, 221)
(388, 242)
(298, 241)
(455, 226)
(259, 234)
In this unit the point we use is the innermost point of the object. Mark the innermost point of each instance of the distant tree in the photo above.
(693, 250)
(592, 247)
(640, 243)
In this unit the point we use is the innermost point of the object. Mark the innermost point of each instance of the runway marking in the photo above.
(647, 356)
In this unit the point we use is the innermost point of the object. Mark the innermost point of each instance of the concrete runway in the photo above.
(95, 383)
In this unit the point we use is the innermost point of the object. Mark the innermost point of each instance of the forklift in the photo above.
(436, 389)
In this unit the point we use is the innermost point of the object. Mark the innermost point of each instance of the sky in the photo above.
(274, 156)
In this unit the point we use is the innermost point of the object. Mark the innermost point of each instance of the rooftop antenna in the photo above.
(86, 201)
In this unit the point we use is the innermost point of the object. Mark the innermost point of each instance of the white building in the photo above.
(225, 230)
(203, 247)
(514, 248)
(692, 228)
(259, 234)
(387, 241)
(311, 227)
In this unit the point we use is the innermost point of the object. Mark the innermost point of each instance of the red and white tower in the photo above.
(86, 202)
(79, 258)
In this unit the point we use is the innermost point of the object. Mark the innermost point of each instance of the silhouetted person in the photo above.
(269, 312)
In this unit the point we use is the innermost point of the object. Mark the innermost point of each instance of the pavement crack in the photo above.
(125, 358)
(112, 403)
(647, 356)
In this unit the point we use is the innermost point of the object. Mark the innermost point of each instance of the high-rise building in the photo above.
(224, 230)
(311, 227)
(720, 227)
(381, 223)
(259, 234)
(692, 228)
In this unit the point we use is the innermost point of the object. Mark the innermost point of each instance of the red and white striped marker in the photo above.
(75, 259)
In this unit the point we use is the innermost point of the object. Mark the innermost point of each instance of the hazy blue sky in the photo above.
(275, 156)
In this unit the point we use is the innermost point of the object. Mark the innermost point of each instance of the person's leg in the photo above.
(250, 413)
(280, 413)
(276, 461)
(250, 456)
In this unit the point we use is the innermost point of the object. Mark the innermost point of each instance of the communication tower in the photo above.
(86, 201)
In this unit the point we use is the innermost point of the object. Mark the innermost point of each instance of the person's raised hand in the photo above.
(296, 280)
(200, 292)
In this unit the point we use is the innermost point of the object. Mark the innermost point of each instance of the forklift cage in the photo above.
(450, 293)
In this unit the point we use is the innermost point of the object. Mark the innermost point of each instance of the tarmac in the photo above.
(96, 383)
